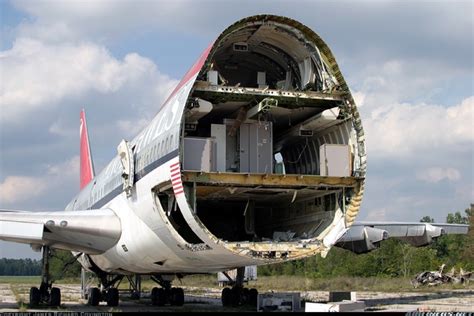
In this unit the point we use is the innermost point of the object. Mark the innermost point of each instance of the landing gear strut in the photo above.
(166, 294)
(46, 293)
(238, 295)
(108, 291)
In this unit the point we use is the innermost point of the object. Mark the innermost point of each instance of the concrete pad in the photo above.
(345, 306)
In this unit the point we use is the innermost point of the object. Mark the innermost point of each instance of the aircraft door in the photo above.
(126, 158)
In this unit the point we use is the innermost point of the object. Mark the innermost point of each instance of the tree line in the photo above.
(394, 258)
(20, 267)
(62, 265)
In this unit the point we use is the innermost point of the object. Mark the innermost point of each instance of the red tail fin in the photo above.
(87, 168)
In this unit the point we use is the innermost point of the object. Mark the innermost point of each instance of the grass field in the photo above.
(278, 283)
(378, 293)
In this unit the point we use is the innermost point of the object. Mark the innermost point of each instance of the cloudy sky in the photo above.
(409, 65)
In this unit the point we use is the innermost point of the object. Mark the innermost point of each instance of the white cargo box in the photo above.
(344, 306)
(335, 160)
(198, 154)
(279, 302)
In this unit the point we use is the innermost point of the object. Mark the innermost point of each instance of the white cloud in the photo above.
(405, 130)
(437, 174)
(359, 98)
(68, 168)
(17, 189)
(397, 80)
(102, 20)
(398, 119)
(377, 215)
(41, 75)
(129, 127)
(20, 188)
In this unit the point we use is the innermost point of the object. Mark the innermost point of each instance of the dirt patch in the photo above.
(208, 299)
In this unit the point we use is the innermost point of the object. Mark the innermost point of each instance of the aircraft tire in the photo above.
(177, 296)
(236, 296)
(245, 296)
(253, 297)
(34, 296)
(112, 297)
(55, 297)
(158, 296)
(226, 297)
(94, 296)
(154, 296)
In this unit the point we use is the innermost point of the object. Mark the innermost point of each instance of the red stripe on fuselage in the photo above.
(191, 72)
(176, 179)
(174, 174)
(175, 169)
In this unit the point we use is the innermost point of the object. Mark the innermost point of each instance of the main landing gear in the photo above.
(166, 294)
(46, 293)
(108, 291)
(238, 294)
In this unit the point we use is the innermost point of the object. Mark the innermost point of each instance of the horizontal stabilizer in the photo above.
(90, 231)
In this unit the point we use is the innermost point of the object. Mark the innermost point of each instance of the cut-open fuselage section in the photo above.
(265, 207)
(270, 150)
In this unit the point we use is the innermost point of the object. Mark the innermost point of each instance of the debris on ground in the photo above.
(438, 277)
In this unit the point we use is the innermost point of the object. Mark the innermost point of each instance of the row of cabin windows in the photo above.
(158, 150)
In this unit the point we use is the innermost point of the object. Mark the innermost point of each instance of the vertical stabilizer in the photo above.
(87, 168)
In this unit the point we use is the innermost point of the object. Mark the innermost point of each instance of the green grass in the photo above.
(277, 283)
(300, 283)
(20, 279)
(34, 280)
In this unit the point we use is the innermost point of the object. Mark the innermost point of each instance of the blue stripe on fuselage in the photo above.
(139, 175)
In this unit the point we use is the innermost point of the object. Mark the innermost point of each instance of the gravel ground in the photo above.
(200, 299)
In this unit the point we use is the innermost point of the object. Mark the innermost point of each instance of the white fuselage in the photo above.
(153, 240)
(147, 236)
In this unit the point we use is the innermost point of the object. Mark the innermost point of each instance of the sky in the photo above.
(409, 65)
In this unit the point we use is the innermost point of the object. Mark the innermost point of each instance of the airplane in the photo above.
(257, 157)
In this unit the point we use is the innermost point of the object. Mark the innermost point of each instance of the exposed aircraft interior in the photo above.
(269, 148)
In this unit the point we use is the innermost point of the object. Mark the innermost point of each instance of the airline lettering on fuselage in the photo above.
(166, 118)
(158, 134)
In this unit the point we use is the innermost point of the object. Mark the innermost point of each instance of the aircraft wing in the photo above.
(366, 236)
(90, 231)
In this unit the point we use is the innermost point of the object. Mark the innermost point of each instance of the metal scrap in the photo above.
(433, 278)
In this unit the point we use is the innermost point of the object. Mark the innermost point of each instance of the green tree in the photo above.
(19, 267)
(457, 218)
(468, 253)
(450, 249)
(63, 265)
(427, 219)
(394, 257)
